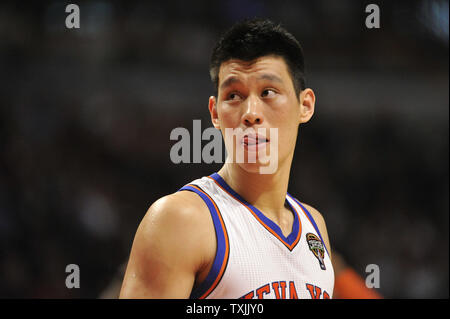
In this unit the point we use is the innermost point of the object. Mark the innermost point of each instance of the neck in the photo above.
(267, 192)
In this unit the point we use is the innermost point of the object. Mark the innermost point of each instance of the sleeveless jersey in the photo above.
(253, 257)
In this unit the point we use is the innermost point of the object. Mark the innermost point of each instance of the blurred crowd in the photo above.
(86, 115)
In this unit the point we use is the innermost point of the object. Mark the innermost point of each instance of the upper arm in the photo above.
(166, 252)
(318, 218)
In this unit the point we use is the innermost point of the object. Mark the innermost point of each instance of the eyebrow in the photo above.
(270, 77)
(233, 79)
(229, 82)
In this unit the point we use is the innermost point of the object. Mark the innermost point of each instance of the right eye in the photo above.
(233, 97)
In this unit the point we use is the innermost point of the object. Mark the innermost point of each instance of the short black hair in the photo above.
(255, 38)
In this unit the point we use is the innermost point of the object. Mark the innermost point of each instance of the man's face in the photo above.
(255, 97)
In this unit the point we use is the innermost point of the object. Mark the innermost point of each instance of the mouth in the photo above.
(254, 140)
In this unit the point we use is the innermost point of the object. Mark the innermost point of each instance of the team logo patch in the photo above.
(316, 246)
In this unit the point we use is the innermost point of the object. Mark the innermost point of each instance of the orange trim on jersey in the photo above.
(227, 249)
(290, 247)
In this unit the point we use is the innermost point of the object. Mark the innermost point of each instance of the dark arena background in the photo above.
(86, 115)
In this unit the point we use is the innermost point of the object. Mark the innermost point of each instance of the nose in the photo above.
(253, 111)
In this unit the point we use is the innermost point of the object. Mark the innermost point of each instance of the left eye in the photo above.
(268, 93)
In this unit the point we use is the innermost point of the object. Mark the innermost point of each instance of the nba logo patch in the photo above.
(316, 246)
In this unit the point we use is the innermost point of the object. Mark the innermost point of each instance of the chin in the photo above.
(251, 162)
(254, 168)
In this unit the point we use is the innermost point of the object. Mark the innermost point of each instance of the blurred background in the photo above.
(86, 114)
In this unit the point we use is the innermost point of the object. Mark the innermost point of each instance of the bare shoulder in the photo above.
(318, 218)
(181, 220)
(173, 240)
(320, 221)
(178, 209)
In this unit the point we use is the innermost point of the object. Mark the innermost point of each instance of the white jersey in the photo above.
(253, 258)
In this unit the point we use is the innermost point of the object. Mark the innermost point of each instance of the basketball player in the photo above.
(238, 233)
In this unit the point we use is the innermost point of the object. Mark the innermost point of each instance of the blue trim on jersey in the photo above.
(312, 221)
(221, 246)
(295, 226)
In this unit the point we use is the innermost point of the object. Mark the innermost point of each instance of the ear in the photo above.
(213, 111)
(307, 103)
